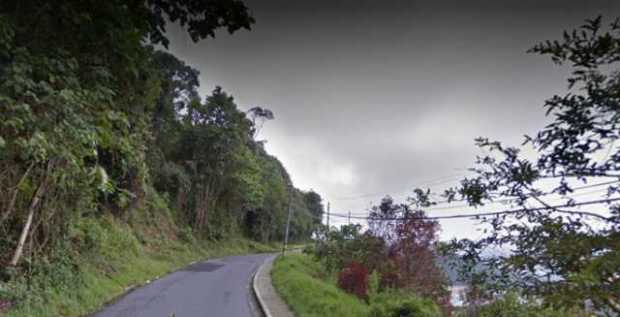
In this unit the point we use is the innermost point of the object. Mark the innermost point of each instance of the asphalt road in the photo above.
(218, 288)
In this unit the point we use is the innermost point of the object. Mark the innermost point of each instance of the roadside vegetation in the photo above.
(310, 290)
(113, 168)
(333, 279)
(398, 280)
(536, 258)
(111, 262)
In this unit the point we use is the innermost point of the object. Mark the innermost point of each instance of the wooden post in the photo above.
(288, 223)
(328, 216)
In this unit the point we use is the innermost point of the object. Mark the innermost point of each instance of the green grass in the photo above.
(307, 289)
(310, 291)
(111, 261)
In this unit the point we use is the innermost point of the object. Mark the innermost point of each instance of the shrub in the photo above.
(389, 279)
(390, 304)
(337, 248)
(303, 284)
(308, 249)
(354, 279)
(185, 234)
(105, 241)
(374, 281)
(511, 305)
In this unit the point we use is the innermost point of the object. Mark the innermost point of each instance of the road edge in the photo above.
(261, 302)
(268, 300)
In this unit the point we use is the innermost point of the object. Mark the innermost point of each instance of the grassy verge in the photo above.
(307, 289)
(310, 291)
(112, 257)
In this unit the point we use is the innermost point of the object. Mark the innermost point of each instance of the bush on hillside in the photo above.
(354, 280)
(308, 249)
(389, 304)
(512, 305)
(337, 248)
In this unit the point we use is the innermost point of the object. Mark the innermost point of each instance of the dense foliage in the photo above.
(412, 256)
(307, 287)
(354, 279)
(511, 305)
(399, 248)
(397, 305)
(95, 121)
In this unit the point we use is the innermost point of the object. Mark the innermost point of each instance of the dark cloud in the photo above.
(379, 96)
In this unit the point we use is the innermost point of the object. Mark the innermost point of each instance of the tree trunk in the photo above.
(202, 198)
(26, 229)
(11, 206)
(204, 208)
(33, 206)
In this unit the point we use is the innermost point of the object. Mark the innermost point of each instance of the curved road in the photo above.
(219, 287)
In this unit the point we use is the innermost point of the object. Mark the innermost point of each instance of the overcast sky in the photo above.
(376, 97)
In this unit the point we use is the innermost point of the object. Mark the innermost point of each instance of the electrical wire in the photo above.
(496, 213)
(507, 200)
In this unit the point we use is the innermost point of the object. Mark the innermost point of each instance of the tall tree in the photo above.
(217, 132)
(314, 204)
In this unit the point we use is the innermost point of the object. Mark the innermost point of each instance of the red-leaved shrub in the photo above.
(354, 279)
(389, 280)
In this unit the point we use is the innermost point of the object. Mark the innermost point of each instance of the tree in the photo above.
(259, 115)
(559, 253)
(178, 89)
(412, 249)
(210, 146)
(400, 245)
(315, 206)
(200, 18)
(78, 86)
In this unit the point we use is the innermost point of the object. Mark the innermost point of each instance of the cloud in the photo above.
(376, 97)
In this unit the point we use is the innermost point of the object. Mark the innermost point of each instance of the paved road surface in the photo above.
(217, 288)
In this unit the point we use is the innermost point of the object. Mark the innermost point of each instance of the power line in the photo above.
(452, 178)
(506, 200)
(328, 214)
(349, 215)
(288, 224)
(542, 194)
(510, 211)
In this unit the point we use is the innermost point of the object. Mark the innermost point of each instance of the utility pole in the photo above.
(328, 215)
(349, 217)
(288, 223)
